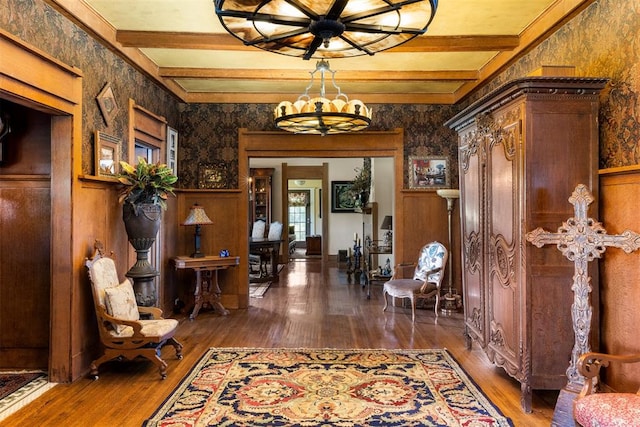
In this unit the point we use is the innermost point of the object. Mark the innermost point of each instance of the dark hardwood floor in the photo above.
(312, 306)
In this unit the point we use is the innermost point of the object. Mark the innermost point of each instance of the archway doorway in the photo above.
(259, 144)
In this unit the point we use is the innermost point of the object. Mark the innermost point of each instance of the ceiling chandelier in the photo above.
(320, 115)
(326, 28)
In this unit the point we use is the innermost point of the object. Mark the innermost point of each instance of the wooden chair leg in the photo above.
(413, 310)
(177, 346)
(437, 303)
(386, 301)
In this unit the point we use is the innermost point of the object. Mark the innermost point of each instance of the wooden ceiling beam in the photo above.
(275, 98)
(296, 75)
(216, 41)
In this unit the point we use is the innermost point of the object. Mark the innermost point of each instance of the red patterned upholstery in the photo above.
(608, 410)
(591, 409)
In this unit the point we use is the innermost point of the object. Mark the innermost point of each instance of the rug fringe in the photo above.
(24, 395)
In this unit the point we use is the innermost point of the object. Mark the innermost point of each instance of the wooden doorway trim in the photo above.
(307, 172)
(55, 88)
(276, 144)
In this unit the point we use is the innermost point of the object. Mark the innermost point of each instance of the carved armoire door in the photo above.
(503, 237)
(472, 181)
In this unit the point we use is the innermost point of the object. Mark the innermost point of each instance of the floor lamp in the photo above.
(450, 195)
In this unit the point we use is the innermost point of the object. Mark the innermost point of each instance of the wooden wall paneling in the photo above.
(424, 213)
(620, 277)
(99, 217)
(224, 208)
(25, 233)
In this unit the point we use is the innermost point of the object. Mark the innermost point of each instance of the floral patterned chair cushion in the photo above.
(595, 408)
(608, 409)
(121, 303)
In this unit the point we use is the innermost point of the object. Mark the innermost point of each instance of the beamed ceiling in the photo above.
(182, 45)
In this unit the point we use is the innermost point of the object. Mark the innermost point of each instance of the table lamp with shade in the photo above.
(197, 216)
(450, 303)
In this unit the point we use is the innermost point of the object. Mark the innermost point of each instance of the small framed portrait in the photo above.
(429, 172)
(107, 103)
(106, 154)
(213, 175)
(341, 198)
(172, 149)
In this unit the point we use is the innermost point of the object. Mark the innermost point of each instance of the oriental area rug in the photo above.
(20, 388)
(327, 387)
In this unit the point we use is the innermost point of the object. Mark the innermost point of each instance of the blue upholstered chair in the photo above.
(426, 281)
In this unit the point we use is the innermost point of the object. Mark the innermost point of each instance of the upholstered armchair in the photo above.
(591, 409)
(428, 273)
(123, 333)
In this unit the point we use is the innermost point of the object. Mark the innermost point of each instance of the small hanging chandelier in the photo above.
(320, 115)
(325, 28)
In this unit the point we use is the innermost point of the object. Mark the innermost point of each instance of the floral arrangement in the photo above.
(146, 183)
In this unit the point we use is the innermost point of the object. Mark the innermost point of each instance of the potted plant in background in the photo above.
(361, 184)
(145, 190)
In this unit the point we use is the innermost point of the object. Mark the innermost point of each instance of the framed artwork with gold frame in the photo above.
(429, 172)
(214, 175)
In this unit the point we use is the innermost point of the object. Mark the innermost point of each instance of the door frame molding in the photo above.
(278, 144)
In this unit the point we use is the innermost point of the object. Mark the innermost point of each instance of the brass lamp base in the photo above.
(450, 305)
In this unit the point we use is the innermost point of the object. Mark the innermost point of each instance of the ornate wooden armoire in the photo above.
(522, 150)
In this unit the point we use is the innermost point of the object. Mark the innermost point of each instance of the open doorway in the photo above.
(262, 145)
(304, 206)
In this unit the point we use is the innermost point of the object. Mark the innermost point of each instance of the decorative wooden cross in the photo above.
(582, 240)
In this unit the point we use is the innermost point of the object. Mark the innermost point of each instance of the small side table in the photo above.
(371, 275)
(208, 290)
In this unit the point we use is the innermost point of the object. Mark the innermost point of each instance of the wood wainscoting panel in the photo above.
(224, 208)
(25, 233)
(620, 277)
(424, 216)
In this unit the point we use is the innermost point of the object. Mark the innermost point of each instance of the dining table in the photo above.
(266, 247)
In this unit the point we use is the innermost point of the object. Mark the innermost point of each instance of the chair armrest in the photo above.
(426, 282)
(155, 312)
(400, 269)
(107, 318)
(589, 365)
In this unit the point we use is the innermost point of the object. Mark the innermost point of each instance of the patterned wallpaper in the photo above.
(208, 132)
(603, 41)
(58, 37)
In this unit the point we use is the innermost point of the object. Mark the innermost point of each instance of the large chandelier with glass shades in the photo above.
(325, 28)
(319, 115)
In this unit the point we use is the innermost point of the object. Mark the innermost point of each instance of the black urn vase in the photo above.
(142, 223)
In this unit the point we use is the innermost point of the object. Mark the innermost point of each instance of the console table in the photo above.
(207, 289)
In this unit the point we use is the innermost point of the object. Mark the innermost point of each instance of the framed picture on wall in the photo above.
(106, 154)
(172, 149)
(429, 172)
(341, 198)
(213, 175)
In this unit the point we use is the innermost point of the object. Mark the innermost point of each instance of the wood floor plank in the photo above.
(312, 306)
